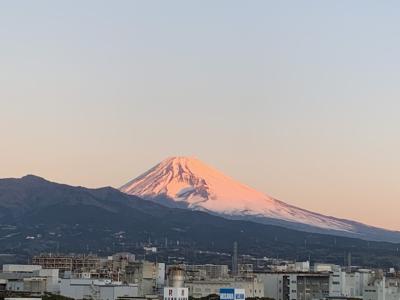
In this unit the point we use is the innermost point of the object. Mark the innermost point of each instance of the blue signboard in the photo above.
(231, 294)
(227, 294)
(239, 296)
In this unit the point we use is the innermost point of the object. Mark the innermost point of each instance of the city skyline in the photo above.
(299, 100)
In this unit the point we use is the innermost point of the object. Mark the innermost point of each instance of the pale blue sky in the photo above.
(299, 99)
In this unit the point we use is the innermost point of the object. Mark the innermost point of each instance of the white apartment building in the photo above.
(382, 289)
(295, 285)
(344, 284)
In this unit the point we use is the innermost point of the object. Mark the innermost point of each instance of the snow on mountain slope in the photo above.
(189, 181)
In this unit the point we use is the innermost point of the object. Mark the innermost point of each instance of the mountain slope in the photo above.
(49, 217)
(189, 183)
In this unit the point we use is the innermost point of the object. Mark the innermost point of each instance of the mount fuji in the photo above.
(186, 182)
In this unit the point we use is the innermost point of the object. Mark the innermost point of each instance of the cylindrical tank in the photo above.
(176, 277)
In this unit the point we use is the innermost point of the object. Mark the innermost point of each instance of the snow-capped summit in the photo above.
(188, 182)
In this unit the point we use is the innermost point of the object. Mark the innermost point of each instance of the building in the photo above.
(207, 271)
(321, 267)
(29, 279)
(8, 268)
(120, 267)
(149, 276)
(160, 280)
(295, 285)
(245, 270)
(202, 288)
(72, 263)
(349, 284)
(381, 288)
(118, 261)
(96, 289)
(300, 266)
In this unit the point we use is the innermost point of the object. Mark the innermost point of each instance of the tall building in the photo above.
(235, 259)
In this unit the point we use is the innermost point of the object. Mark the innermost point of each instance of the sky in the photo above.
(298, 99)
